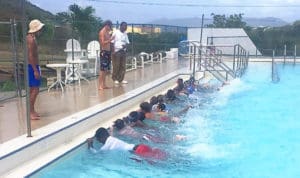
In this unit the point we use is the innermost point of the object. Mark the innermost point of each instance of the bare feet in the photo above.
(103, 88)
(32, 117)
(36, 114)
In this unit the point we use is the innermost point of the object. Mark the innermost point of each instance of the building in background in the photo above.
(224, 39)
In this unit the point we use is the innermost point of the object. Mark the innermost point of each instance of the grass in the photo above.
(7, 82)
(9, 85)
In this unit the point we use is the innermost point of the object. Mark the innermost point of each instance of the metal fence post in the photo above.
(73, 67)
(132, 45)
(190, 54)
(240, 53)
(25, 53)
(247, 61)
(256, 52)
(284, 54)
(14, 54)
(17, 58)
(295, 54)
(200, 45)
(273, 54)
(234, 56)
(194, 62)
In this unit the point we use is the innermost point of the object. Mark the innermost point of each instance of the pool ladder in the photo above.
(275, 74)
(213, 63)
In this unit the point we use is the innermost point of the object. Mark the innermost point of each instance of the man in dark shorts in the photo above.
(105, 54)
(105, 57)
(34, 73)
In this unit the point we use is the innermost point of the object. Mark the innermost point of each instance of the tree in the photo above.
(296, 28)
(233, 21)
(219, 21)
(63, 17)
(82, 20)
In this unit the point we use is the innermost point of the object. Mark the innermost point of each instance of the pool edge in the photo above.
(17, 162)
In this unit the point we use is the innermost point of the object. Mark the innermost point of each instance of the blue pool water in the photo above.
(247, 129)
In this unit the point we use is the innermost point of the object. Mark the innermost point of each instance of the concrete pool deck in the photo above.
(69, 109)
(56, 105)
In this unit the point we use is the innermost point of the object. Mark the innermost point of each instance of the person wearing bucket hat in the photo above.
(34, 73)
(35, 26)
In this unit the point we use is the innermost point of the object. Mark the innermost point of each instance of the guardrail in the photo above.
(274, 74)
(210, 58)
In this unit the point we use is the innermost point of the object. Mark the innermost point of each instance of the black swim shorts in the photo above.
(105, 60)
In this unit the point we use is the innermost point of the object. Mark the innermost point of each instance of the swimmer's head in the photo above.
(161, 107)
(101, 135)
(161, 98)
(153, 100)
(119, 124)
(146, 107)
(171, 95)
(133, 116)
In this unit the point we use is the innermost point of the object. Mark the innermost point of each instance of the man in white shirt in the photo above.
(109, 142)
(112, 143)
(120, 40)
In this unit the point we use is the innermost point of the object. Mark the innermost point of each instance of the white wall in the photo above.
(230, 37)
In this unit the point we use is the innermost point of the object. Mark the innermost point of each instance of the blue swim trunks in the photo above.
(105, 60)
(33, 82)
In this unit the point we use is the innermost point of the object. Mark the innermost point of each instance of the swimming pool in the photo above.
(248, 129)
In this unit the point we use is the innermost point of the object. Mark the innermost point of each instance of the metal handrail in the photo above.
(220, 64)
(274, 74)
(240, 59)
(210, 62)
(216, 73)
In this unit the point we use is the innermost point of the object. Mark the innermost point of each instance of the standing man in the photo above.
(120, 40)
(105, 53)
(34, 72)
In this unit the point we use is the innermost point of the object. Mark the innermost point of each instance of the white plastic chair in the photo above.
(131, 63)
(74, 52)
(74, 48)
(144, 58)
(156, 57)
(93, 53)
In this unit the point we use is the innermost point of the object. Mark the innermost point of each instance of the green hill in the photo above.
(10, 9)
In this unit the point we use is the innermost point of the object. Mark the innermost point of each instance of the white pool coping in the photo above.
(22, 156)
(276, 59)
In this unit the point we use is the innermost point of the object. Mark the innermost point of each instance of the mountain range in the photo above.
(196, 22)
(10, 9)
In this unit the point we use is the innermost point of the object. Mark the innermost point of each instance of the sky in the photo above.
(143, 11)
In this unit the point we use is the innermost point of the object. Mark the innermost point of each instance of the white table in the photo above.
(77, 70)
(59, 81)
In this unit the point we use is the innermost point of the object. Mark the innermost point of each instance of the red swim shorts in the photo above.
(146, 151)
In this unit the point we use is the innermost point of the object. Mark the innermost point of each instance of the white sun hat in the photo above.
(35, 25)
